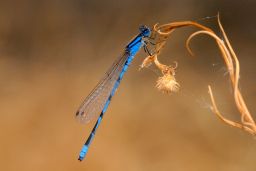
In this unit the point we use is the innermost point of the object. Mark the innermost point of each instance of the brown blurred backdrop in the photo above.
(53, 52)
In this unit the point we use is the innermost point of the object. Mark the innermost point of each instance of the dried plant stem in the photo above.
(161, 33)
(228, 54)
(238, 96)
(227, 121)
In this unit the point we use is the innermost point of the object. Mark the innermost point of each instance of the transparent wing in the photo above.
(95, 101)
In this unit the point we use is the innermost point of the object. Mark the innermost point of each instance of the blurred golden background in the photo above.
(53, 52)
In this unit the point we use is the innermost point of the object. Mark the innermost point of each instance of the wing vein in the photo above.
(95, 101)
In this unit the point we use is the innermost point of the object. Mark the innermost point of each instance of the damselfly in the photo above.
(97, 102)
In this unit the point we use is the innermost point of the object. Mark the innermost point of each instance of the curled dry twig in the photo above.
(167, 83)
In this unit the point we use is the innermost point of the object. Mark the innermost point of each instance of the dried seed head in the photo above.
(167, 84)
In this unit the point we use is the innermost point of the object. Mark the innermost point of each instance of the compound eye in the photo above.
(142, 28)
(145, 30)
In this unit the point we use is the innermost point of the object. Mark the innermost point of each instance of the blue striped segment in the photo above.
(99, 99)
